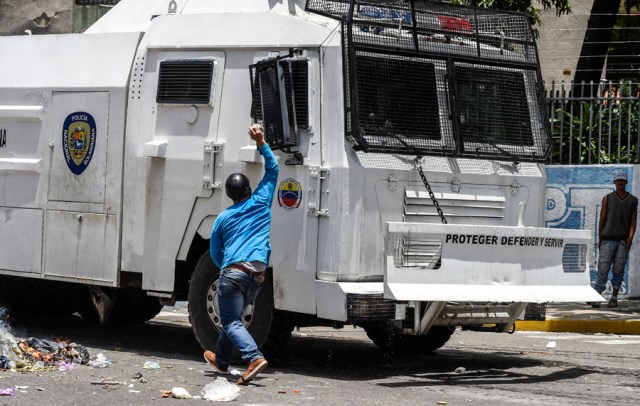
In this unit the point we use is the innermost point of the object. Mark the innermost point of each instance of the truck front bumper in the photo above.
(462, 263)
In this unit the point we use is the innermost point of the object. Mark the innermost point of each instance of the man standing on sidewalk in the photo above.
(616, 229)
(240, 247)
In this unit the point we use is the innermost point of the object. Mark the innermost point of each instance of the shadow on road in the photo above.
(325, 357)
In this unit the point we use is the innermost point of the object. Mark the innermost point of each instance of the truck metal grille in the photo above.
(296, 84)
(417, 253)
(480, 206)
(185, 82)
(430, 78)
(574, 258)
(369, 306)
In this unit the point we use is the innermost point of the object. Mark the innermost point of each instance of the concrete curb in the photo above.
(582, 326)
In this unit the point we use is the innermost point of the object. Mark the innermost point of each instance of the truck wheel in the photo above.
(387, 340)
(270, 328)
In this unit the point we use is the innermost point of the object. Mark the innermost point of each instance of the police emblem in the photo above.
(289, 194)
(78, 140)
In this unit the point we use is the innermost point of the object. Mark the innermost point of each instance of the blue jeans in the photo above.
(236, 290)
(615, 252)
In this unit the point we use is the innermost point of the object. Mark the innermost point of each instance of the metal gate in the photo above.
(594, 123)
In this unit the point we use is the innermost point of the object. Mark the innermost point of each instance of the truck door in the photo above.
(80, 219)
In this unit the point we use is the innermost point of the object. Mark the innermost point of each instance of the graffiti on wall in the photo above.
(574, 196)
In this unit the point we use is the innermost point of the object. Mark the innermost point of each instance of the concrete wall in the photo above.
(574, 196)
(37, 16)
(560, 41)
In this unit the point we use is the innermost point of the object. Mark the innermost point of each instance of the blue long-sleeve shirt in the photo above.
(241, 232)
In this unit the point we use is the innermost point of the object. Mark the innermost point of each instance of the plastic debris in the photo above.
(65, 366)
(33, 354)
(180, 393)
(460, 370)
(551, 345)
(442, 402)
(166, 393)
(151, 365)
(220, 390)
(19, 387)
(133, 391)
(8, 392)
(100, 361)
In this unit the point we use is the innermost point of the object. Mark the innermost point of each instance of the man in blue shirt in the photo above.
(240, 247)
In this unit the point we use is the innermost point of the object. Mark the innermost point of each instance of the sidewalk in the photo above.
(582, 318)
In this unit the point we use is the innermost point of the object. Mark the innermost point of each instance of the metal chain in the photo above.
(431, 195)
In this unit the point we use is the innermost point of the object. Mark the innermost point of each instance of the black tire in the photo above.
(132, 305)
(389, 341)
(270, 328)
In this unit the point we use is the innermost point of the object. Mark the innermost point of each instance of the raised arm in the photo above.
(267, 186)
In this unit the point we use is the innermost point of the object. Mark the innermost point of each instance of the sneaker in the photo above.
(613, 302)
(252, 371)
(210, 357)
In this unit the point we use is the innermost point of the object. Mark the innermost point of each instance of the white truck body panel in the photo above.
(154, 179)
(64, 225)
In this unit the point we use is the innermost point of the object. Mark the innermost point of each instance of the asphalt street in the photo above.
(327, 366)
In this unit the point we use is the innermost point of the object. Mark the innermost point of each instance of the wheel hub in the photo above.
(213, 309)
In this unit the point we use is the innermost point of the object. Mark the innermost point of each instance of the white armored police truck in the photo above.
(411, 137)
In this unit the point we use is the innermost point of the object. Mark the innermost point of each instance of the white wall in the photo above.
(560, 41)
(574, 195)
(16, 16)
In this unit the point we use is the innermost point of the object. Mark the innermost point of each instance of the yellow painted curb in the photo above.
(582, 326)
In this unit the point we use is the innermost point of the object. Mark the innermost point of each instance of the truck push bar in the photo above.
(464, 263)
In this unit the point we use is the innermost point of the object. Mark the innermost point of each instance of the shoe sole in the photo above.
(215, 368)
(243, 380)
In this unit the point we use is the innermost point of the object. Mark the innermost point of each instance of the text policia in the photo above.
(504, 240)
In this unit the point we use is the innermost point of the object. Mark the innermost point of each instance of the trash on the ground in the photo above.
(151, 365)
(33, 354)
(8, 392)
(142, 380)
(220, 390)
(166, 393)
(65, 366)
(442, 402)
(233, 371)
(100, 361)
(282, 391)
(131, 385)
(4, 362)
(133, 391)
(136, 376)
(551, 344)
(21, 387)
(180, 393)
(296, 391)
(460, 370)
(108, 381)
(40, 389)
